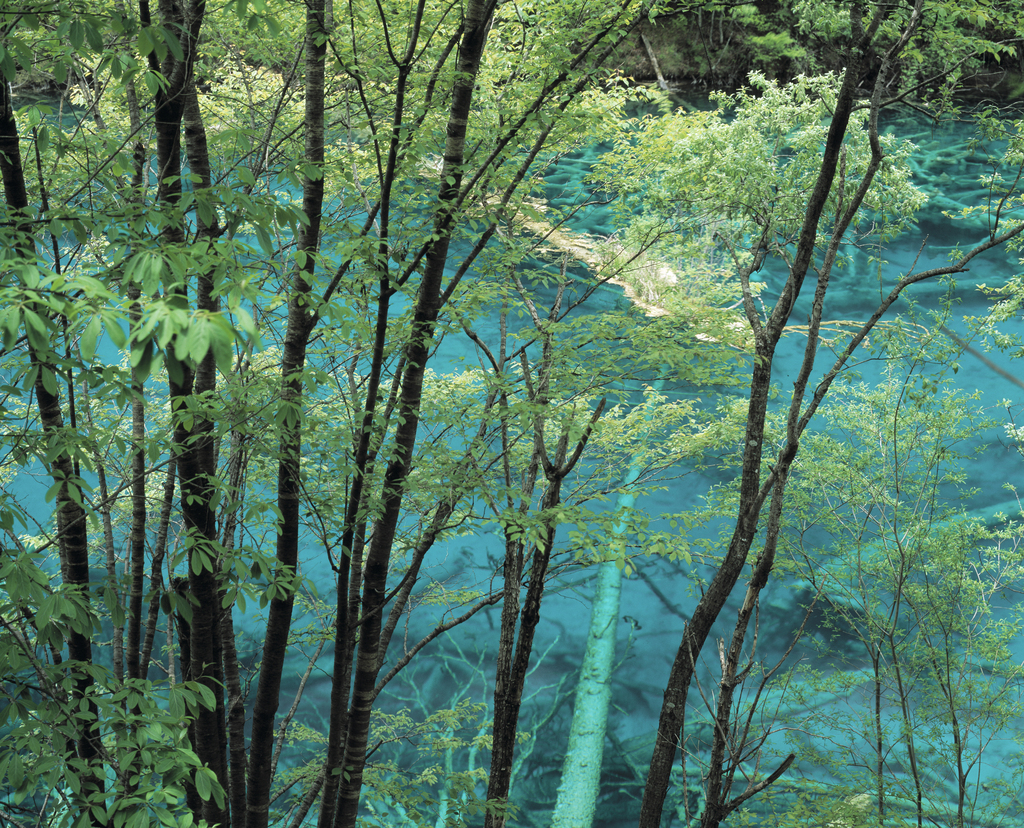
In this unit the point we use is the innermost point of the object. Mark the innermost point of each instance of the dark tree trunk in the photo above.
(15, 191)
(195, 446)
(137, 536)
(73, 542)
(180, 588)
(138, 649)
(752, 493)
(348, 582)
(299, 326)
(511, 670)
(155, 577)
(514, 661)
(196, 467)
(477, 15)
(236, 712)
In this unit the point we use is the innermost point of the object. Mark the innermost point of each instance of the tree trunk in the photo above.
(752, 494)
(72, 528)
(477, 14)
(510, 674)
(697, 629)
(137, 535)
(293, 360)
(155, 576)
(514, 663)
(195, 446)
(653, 58)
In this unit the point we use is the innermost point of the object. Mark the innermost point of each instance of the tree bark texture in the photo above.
(194, 445)
(513, 666)
(72, 528)
(299, 326)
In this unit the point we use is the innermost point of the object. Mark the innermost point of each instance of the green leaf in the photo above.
(7, 65)
(49, 381)
(196, 341)
(87, 344)
(166, 818)
(10, 322)
(208, 700)
(263, 237)
(94, 37)
(115, 332)
(172, 43)
(154, 81)
(203, 786)
(76, 34)
(177, 705)
(15, 771)
(43, 138)
(207, 215)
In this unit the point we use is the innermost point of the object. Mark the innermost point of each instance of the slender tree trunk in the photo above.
(195, 446)
(198, 461)
(15, 191)
(476, 16)
(719, 802)
(752, 494)
(879, 733)
(653, 58)
(514, 663)
(180, 587)
(138, 649)
(236, 712)
(137, 535)
(196, 466)
(275, 644)
(155, 569)
(75, 570)
(110, 555)
(299, 326)
(710, 605)
(235, 720)
(510, 675)
(73, 542)
(347, 581)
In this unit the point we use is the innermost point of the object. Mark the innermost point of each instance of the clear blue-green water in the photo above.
(656, 599)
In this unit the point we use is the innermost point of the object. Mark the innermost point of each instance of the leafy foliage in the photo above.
(921, 598)
(290, 332)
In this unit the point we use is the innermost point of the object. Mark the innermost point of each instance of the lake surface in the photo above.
(656, 600)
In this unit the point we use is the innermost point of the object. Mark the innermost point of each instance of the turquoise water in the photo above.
(656, 600)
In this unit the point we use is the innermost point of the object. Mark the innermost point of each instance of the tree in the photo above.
(763, 190)
(922, 591)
